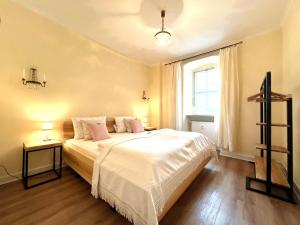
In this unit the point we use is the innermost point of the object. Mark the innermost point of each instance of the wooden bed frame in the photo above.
(83, 165)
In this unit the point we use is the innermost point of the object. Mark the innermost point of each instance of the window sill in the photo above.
(200, 118)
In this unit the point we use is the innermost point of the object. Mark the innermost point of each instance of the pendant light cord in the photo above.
(162, 20)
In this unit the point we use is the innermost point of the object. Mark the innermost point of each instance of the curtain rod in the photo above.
(204, 53)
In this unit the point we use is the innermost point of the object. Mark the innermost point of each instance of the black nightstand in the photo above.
(40, 146)
(150, 128)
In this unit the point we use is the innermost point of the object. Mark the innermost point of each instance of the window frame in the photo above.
(201, 69)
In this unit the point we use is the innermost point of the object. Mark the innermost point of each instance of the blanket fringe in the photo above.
(121, 208)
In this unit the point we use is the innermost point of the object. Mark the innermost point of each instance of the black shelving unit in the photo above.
(268, 173)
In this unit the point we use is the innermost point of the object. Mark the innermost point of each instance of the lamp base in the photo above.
(48, 139)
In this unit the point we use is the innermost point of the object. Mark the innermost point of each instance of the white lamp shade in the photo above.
(162, 38)
(47, 126)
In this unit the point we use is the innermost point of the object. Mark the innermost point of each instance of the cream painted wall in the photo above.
(291, 74)
(257, 55)
(84, 78)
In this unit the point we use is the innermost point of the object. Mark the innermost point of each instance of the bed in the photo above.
(118, 161)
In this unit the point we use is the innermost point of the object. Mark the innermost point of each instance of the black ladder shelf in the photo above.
(269, 173)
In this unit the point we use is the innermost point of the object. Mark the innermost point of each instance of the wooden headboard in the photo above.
(69, 130)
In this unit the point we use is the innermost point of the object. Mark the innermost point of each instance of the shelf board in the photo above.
(274, 124)
(277, 174)
(273, 148)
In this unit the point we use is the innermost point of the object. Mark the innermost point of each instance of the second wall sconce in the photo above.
(144, 96)
(33, 78)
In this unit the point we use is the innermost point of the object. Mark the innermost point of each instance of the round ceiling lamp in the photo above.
(162, 38)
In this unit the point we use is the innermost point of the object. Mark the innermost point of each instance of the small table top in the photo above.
(37, 144)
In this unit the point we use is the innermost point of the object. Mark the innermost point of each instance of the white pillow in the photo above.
(120, 123)
(78, 127)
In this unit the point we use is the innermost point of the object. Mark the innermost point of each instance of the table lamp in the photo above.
(46, 127)
(145, 121)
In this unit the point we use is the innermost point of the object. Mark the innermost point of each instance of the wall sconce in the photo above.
(144, 96)
(33, 80)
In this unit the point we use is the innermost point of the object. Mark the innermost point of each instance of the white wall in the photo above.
(291, 74)
(257, 55)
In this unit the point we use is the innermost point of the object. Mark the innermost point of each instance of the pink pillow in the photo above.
(136, 126)
(98, 131)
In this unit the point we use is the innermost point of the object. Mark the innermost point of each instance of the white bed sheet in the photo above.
(91, 148)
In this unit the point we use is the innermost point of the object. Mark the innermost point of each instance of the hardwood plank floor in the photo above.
(217, 197)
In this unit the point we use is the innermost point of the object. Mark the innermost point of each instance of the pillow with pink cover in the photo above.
(137, 126)
(98, 131)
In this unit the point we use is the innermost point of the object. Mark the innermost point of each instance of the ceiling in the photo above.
(128, 26)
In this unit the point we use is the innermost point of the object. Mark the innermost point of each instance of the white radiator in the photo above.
(206, 128)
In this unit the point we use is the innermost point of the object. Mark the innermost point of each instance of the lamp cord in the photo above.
(6, 171)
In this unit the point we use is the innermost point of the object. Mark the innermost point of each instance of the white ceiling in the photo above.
(128, 26)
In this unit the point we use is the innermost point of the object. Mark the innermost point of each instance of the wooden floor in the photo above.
(217, 197)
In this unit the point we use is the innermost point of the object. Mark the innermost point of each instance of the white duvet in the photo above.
(136, 174)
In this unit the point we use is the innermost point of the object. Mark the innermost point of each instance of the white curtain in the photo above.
(171, 102)
(229, 100)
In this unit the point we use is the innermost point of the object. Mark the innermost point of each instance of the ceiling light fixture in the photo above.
(162, 38)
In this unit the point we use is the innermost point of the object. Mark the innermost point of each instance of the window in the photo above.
(206, 86)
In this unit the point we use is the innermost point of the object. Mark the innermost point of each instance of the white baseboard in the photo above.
(8, 179)
(237, 155)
